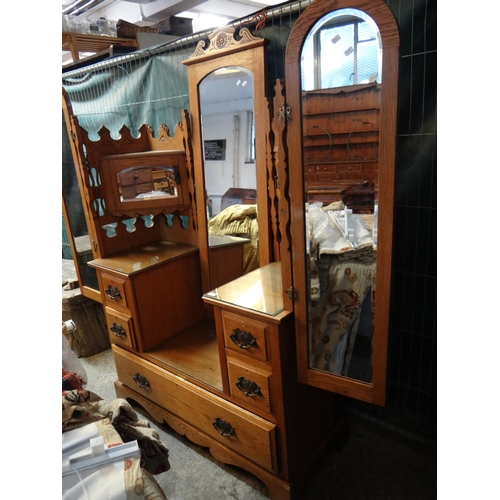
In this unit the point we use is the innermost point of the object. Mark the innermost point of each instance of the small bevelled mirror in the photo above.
(144, 183)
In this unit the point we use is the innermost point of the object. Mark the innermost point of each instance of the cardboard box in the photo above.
(238, 196)
(173, 25)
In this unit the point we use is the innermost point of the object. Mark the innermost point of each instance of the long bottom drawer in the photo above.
(240, 430)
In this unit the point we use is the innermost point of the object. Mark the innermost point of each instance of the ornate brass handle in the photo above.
(248, 388)
(243, 339)
(141, 380)
(112, 292)
(223, 428)
(118, 330)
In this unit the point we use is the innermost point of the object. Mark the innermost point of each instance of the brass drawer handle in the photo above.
(118, 330)
(248, 388)
(244, 340)
(141, 381)
(113, 293)
(223, 428)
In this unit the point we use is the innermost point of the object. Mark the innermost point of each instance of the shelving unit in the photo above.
(78, 43)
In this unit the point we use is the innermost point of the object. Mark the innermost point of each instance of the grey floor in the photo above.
(373, 464)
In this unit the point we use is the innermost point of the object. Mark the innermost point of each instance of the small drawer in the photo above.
(245, 335)
(131, 192)
(120, 327)
(331, 169)
(249, 384)
(236, 428)
(135, 176)
(114, 291)
(350, 167)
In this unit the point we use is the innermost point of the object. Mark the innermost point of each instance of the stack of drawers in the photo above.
(117, 312)
(248, 367)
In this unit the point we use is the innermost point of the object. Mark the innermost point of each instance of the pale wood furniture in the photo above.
(78, 43)
(224, 50)
(226, 362)
(189, 358)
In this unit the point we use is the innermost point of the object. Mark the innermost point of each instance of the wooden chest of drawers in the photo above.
(140, 310)
(258, 417)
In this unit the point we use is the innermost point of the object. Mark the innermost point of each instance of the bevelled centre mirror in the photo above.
(341, 76)
(226, 91)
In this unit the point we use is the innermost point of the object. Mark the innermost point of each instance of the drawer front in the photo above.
(238, 429)
(114, 291)
(245, 335)
(120, 327)
(249, 384)
(326, 169)
(350, 167)
(136, 176)
(130, 192)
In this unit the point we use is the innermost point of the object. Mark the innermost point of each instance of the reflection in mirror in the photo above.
(341, 83)
(228, 142)
(226, 105)
(75, 223)
(344, 48)
(227, 88)
(143, 182)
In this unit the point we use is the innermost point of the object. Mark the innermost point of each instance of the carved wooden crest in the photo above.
(223, 40)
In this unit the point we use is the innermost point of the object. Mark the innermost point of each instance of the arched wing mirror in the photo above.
(341, 76)
(226, 91)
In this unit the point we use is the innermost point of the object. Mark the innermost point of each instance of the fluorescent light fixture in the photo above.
(227, 71)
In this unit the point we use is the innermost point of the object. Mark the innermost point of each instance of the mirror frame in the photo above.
(378, 10)
(112, 165)
(246, 51)
(86, 289)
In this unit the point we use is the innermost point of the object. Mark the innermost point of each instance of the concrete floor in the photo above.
(373, 464)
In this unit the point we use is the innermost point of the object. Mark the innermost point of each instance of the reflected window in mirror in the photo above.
(344, 48)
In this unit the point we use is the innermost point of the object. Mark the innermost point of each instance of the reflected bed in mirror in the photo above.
(228, 131)
(226, 104)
